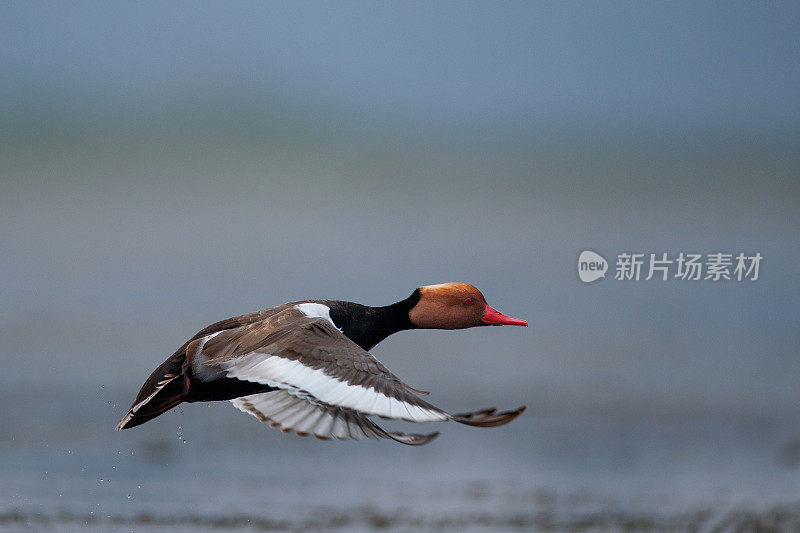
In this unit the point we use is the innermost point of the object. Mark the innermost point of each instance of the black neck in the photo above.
(367, 326)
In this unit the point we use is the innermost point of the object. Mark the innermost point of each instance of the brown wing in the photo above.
(294, 352)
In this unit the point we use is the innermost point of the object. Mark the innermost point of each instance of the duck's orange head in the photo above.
(456, 306)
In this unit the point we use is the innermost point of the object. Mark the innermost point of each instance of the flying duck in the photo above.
(305, 366)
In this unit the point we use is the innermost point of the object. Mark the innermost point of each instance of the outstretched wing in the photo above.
(327, 385)
(308, 356)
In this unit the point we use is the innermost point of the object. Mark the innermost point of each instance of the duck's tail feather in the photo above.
(160, 393)
(488, 418)
(167, 394)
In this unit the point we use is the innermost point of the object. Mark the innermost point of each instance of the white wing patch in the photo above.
(295, 377)
(290, 413)
(316, 310)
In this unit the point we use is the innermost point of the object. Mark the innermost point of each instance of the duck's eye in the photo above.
(467, 300)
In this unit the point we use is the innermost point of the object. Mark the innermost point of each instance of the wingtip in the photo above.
(413, 439)
(488, 418)
(416, 391)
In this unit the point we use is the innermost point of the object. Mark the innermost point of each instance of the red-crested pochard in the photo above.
(305, 367)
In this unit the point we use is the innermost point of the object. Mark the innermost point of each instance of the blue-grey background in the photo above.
(164, 166)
